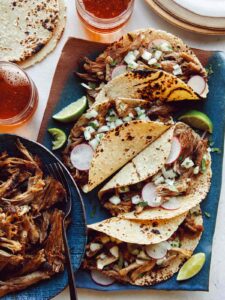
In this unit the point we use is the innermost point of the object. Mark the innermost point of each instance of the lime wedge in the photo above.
(192, 267)
(197, 119)
(59, 138)
(72, 112)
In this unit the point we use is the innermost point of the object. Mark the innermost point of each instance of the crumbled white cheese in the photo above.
(165, 47)
(168, 173)
(127, 119)
(115, 200)
(152, 61)
(103, 128)
(187, 163)
(87, 135)
(136, 53)
(94, 143)
(158, 54)
(196, 170)
(102, 256)
(118, 122)
(99, 136)
(91, 114)
(131, 115)
(95, 247)
(177, 70)
(143, 117)
(130, 58)
(169, 181)
(146, 55)
(136, 199)
(159, 180)
(112, 125)
(94, 123)
(133, 65)
(114, 251)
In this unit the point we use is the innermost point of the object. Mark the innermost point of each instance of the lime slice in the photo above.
(72, 112)
(192, 267)
(197, 119)
(59, 138)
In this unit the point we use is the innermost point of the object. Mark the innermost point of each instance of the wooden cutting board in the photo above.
(185, 19)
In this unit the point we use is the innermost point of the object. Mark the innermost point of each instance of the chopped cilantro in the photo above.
(209, 70)
(217, 150)
(93, 124)
(113, 63)
(207, 214)
(203, 165)
(143, 204)
(180, 158)
(93, 212)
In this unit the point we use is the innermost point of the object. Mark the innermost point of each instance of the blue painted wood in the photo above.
(214, 106)
(76, 231)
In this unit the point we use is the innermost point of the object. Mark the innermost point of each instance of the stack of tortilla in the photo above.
(164, 167)
(30, 30)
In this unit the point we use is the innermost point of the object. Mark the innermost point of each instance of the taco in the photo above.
(142, 50)
(106, 137)
(169, 177)
(155, 86)
(140, 264)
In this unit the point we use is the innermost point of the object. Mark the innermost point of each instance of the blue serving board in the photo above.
(66, 88)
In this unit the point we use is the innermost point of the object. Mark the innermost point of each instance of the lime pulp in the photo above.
(192, 267)
(197, 119)
(72, 112)
(59, 138)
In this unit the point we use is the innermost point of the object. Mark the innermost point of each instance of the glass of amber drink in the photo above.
(18, 95)
(104, 16)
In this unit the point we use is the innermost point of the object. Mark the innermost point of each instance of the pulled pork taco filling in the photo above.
(98, 121)
(139, 51)
(128, 262)
(188, 159)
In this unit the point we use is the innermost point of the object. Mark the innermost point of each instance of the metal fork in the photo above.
(57, 172)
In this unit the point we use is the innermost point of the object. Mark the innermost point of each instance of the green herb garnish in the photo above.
(180, 158)
(143, 204)
(207, 214)
(203, 165)
(93, 124)
(93, 212)
(209, 70)
(217, 150)
(113, 63)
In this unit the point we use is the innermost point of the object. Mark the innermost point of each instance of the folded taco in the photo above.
(147, 49)
(155, 86)
(169, 177)
(106, 137)
(137, 263)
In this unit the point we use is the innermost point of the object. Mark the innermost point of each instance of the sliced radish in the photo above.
(197, 83)
(158, 43)
(158, 251)
(81, 157)
(119, 70)
(149, 195)
(175, 150)
(101, 279)
(171, 204)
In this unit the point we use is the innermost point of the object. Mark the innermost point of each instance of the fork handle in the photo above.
(71, 277)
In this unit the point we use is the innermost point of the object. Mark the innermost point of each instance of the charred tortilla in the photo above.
(116, 131)
(136, 263)
(164, 52)
(150, 188)
(148, 85)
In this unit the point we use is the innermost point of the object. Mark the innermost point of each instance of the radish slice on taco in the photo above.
(128, 259)
(143, 50)
(107, 136)
(169, 177)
